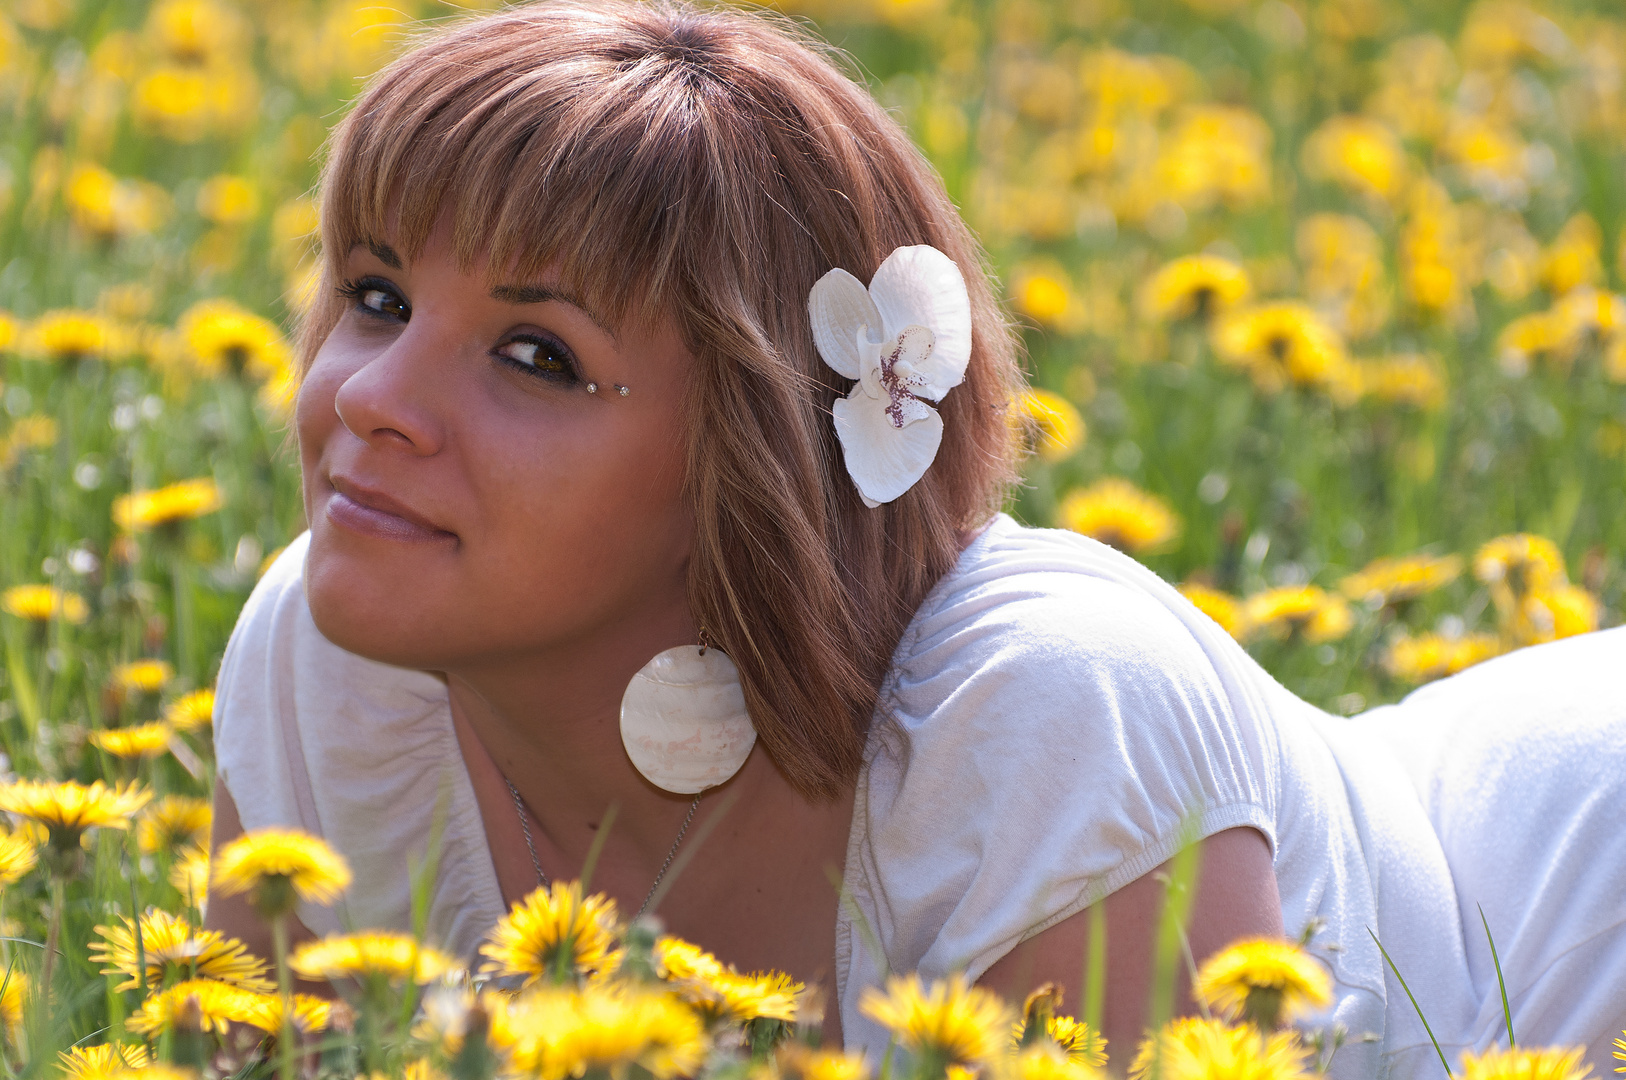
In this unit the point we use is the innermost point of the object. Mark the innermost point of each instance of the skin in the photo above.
(475, 512)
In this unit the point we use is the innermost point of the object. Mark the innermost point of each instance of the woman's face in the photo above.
(469, 500)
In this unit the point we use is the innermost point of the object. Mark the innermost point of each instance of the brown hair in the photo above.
(708, 167)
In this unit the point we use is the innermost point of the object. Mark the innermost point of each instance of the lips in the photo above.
(371, 512)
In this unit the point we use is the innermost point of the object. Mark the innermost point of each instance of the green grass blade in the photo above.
(1095, 967)
(1413, 999)
(1507, 1012)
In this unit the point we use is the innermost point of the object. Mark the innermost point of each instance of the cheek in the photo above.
(580, 521)
(315, 418)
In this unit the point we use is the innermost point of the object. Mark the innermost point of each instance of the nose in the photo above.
(390, 402)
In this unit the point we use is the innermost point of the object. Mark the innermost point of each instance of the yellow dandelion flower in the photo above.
(220, 337)
(1404, 577)
(951, 1021)
(719, 992)
(17, 857)
(1284, 342)
(212, 1005)
(1404, 379)
(9, 331)
(1574, 258)
(1047, 1062)
(1520, 563)
(1304, 609)
(1559, 612)
(41, 603)
(1059, 427)
(1433, 656)
(1526, 1063)
(129, 302)
(1215, 153)
(139, 741)
(66, 811)
(175, 951)
(795, 1061)
(1264, 981)
(1357, 153)
(276, 866)
(72, 808)
(11, 1000)
(1538, 334)
(91, 196)
(33, 433)
(195, 31)
(1044, 292)
(1620, 1052)
(143, 676)
(69, 335)
(162, 506)
(1194, 286)
(173, 823)
(310, 1013)
(189, 712)
(159, 1071)
(1220, 606)
(371, 954)
(555, 932)
(106, 1062)
(1195, 1049)
(1344, 274)
(228, 200)
(1078, 1040)
(1115, 511)
(1586, 318)
(554, 1032)
(1040, 1024)
(190, 876)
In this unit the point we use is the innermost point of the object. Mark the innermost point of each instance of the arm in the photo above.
(232, 915)
(1236, 897)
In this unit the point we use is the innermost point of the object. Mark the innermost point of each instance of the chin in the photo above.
(375, 610)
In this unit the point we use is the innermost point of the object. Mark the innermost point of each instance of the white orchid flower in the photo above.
(906, 340)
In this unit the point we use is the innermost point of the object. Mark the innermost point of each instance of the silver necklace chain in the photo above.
(542, 878)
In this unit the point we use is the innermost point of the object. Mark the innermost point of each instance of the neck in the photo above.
(551, 727)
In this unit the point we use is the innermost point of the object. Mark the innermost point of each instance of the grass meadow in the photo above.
(1322, 302)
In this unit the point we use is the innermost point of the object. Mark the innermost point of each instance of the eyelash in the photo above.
(563, 369)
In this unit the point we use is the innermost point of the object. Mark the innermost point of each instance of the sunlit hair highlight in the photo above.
(663, 161)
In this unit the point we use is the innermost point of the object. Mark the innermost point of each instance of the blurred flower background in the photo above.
(1320, 303)
(1319, 299)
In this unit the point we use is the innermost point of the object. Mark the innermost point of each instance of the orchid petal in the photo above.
(885, 461)
(921, 286)
(839, 306)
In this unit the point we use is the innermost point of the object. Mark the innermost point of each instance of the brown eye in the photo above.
(539, 357)
(384, 302)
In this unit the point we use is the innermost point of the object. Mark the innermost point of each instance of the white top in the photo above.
(1055, 720)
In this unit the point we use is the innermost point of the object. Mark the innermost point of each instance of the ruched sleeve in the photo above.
(1052, 730)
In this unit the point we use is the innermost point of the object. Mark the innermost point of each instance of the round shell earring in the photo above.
(683, 719)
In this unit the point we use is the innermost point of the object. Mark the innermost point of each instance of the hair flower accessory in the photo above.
(906, 340)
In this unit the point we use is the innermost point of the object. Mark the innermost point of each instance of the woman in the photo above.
(650, 335)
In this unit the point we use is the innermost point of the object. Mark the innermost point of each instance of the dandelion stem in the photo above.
(285, 1049)
(52, 933)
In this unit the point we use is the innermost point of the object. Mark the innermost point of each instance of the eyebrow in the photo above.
(385, 254)
(508, 294)
(542, 294)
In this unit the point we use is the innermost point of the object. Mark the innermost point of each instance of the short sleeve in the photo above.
(1051, 735)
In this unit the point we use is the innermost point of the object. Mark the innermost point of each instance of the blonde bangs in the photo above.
(585, 170)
